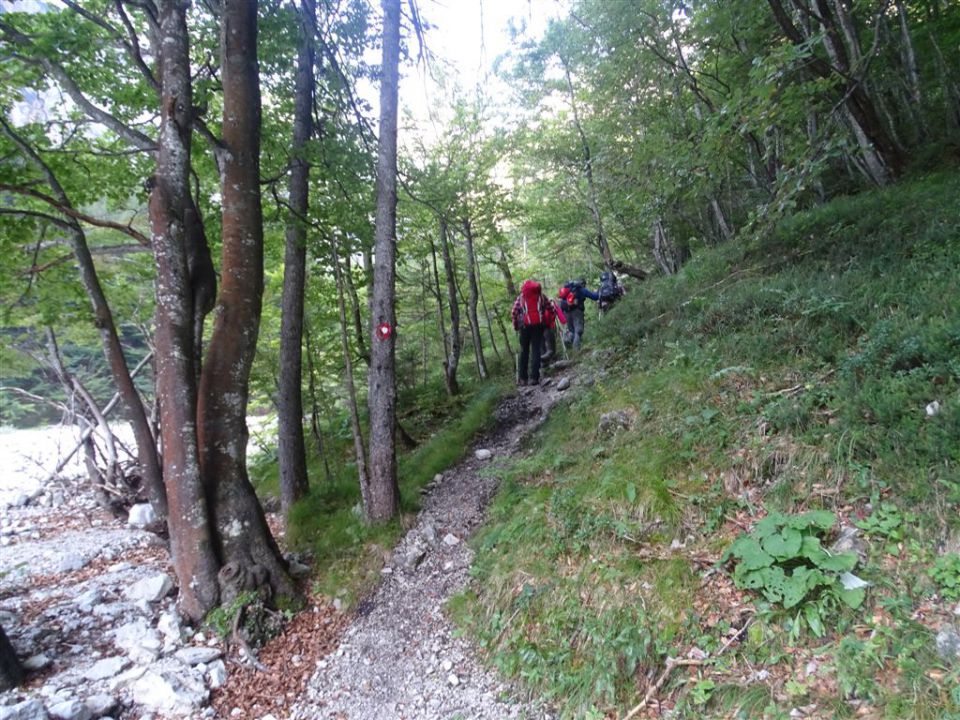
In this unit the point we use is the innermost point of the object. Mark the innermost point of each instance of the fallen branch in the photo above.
(661, 681)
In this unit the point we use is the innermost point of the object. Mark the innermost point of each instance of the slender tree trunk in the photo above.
(438, 295)
(384, 499)
(909, 54)
(668, 256)
(504, 264)
(292, 451)
(473, 300)
(249, 553)
(147, 454)
(486, 314)
(191, 540)
(315, 407)
(453, 359)
(359, 450)
(358, 330)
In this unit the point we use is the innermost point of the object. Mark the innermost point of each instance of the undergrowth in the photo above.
(346, 553)
(817, 369)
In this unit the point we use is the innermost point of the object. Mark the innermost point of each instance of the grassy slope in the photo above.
(788, 376)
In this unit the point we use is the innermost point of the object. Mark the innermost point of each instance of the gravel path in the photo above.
(401, 659)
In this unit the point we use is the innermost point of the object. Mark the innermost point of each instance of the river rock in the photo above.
(70, 710)
(483, 454)
(167, 691)
(88, 600)
(71, 562)
(948, 645)
(140, 641)
(101, 705)
(216, 674)
(194, 655)
(106, 668)
(37, 662)
(150, 589)
(28, 710)
(141, 516)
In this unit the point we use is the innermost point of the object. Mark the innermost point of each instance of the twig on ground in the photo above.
(661, 681)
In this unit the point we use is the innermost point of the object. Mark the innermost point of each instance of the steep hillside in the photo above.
(749, 506)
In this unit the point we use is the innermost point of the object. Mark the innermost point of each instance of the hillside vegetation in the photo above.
(782, 392)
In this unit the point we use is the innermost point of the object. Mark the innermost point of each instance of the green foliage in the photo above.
(945, 574)
(221, 619)
(783, 559)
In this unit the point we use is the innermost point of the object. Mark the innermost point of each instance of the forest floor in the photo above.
(398, 656)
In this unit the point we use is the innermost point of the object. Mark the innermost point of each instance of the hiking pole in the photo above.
(563, 343)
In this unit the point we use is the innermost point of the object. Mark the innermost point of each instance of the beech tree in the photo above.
(384, 497)
(292, 454)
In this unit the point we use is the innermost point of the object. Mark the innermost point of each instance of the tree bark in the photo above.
(191, 540)
(382, 398)
(473, 300)
(246, 546)
(292, 452)
(452, 363)
(668, 256)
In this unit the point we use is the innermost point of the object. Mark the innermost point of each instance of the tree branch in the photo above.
(69, 211)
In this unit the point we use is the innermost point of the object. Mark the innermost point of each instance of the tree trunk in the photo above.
(382, 394)
(882, 159)
(315, 407)
(668, 256)
(486, 314)
(249, 554)
(504, 264)
(358, 331)
(147, 454)
(11, 671)
(438, 295)
(909, 55)
(191, 539)
(359, 450)
(292, 452)
(453, 359)
(473, 300)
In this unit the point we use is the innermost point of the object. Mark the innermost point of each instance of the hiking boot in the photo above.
(535, 382)
(521, 383)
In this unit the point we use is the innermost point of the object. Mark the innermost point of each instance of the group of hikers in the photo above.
(535, 317)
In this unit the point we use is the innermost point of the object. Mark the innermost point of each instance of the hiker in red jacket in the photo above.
(529, 319)
(553, 314)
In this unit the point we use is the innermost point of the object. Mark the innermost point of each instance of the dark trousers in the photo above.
(549, 344)
(531, 347)
(575, 326)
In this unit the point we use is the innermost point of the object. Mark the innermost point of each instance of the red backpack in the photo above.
(531, 300)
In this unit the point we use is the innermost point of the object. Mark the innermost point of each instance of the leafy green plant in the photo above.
(784, 560)
(946, 574)
(887, 521)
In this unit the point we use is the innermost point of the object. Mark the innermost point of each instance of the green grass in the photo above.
(792, 373)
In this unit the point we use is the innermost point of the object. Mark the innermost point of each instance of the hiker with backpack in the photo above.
(609, 291)
(529, 319)
(572, 299)
(553, 314)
